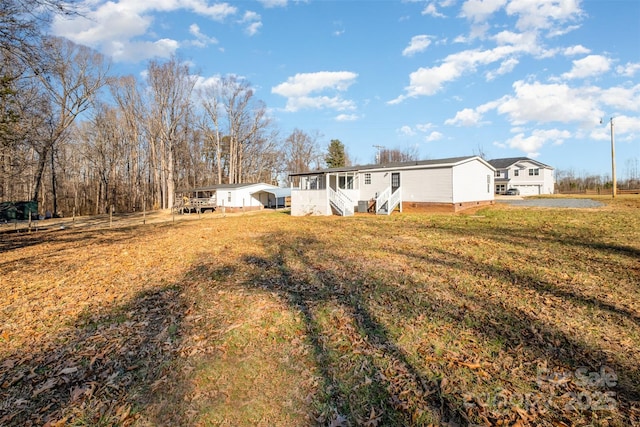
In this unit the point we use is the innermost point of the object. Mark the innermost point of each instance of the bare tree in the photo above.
(133, 115)
(21, 23)
(236, 126)
(301, 151)
(394, 155)
(171, 86)
(73, 75)
(210, 98)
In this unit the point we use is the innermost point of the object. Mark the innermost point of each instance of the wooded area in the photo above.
(78, 139)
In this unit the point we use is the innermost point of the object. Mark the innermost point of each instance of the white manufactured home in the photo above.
(232, 198)
(445, 184)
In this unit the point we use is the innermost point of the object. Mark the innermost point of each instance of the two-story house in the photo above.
(530, 177)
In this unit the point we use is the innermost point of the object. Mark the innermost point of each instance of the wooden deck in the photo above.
(194, 205)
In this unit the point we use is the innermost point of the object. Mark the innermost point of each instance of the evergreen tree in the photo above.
(336, 156)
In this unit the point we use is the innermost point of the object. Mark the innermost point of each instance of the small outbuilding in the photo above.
(232, 198)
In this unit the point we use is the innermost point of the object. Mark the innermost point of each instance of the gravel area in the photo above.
(553, 203)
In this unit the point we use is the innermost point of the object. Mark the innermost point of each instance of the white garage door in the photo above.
(528, 190)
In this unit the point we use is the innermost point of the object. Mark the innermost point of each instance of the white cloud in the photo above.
(134, 51)
(306, 83)
(318, 103)
(424, 127)
(626, 128)
(543, 14)
(545, 103)
(431, 9)
(428, 81)
(576, 50)
(406, 130)
(273, 3)
(253, 21)
(298, 88)
(531, 15)
(417, 44)
(588, 66)
(621, 98)
(202, 40)
(465, 117)
(217, 11)
(461, 39)
(114, 26)
(347, 117)
(434, 136)
(629, 69)
(531, 144)
(204, 82)
(505, 68)
(479, 10)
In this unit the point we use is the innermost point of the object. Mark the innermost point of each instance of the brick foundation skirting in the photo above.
(411, 207)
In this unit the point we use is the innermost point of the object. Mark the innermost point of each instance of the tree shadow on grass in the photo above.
(365, 375)
(366, 371)
(523, 332)
(101, 371)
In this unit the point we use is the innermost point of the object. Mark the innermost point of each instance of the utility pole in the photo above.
(613, 161)
(614, 188)
(378, 147)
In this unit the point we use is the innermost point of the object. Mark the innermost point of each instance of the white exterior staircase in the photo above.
(387, 201)
(341, 202)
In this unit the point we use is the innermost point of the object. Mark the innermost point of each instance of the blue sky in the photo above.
(448, 77)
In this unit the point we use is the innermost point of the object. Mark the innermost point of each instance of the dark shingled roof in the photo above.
(432, 162)
(506, 162)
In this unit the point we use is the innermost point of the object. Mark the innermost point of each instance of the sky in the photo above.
(446, 78)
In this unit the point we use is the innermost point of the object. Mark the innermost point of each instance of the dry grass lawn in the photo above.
(502, 316)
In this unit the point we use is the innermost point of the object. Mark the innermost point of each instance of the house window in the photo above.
(345, 182)
(488, 183)
(497, 174)
(229, 197)
(500, 188)
(516, 172)
(367, 178)
(533, 172)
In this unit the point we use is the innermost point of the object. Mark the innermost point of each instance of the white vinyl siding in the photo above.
(470, 184)
(532, 179)
(427, 185)
(247, 196)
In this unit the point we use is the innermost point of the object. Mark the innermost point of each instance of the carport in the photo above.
(274, 198)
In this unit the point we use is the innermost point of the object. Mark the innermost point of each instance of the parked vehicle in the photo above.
(513, 192)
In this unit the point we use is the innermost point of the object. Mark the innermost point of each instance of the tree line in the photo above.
(76, 138)
(569, 181)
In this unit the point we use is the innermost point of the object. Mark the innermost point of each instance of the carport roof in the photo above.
(277, 192)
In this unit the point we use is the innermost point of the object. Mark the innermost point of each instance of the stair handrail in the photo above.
(383, 198)
(341, 201)
(395, 199)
